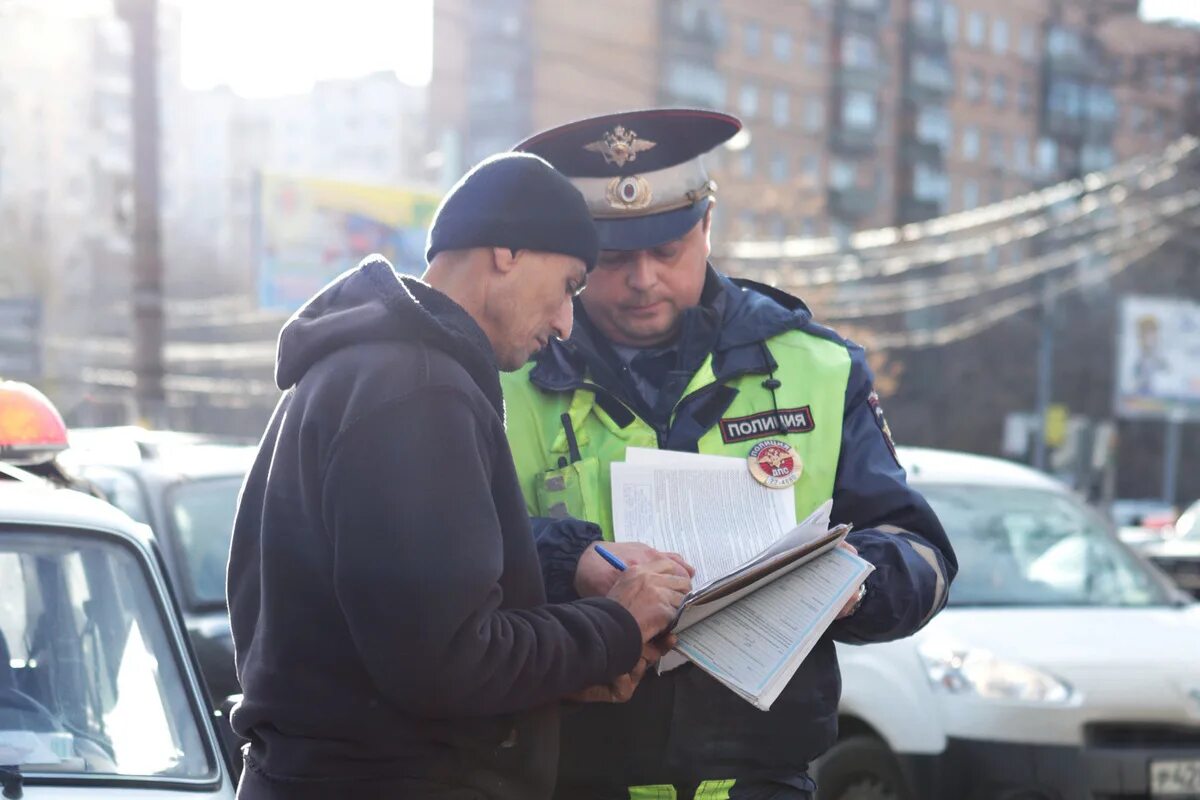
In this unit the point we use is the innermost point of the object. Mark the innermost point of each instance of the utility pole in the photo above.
(1045, 373)
(148, 367)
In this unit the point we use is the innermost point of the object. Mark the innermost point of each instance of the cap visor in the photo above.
(639, 233)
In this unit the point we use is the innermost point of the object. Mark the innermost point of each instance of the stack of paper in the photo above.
(766, 588)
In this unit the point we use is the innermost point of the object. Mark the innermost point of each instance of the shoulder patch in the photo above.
(885, 429)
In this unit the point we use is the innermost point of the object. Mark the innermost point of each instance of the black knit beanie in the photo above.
(518, 201)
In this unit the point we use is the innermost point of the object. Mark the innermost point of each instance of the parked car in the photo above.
(1179, 556)
(1063, 668)
(1142, 521)
(100, 695)
(185, 487)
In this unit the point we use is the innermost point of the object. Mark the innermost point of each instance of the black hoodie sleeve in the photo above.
(419, 553)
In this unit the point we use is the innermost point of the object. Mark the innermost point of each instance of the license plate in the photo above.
(1175, 778)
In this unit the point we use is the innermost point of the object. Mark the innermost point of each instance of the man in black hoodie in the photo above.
(389, 611)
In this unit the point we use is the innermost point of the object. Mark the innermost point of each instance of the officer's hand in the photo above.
(652, 592)
(594, 577)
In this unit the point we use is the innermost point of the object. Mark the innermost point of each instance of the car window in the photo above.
(1028, 547)
(90, 680)
(119, 488)
(201, 514)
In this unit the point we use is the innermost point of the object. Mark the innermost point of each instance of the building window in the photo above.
(748, 100)
(950, 22)
(811, 168)
(930, 184)
(999, 91)
(781, 45)
(970, 143)
(747, 224)
(970, 194)
(997, 155)
(933, 125)
(776, 226)
(746, 163)
(1101, 104)
(1061, 42)
(1025, 96)
(974, 85)
(976, 29)
(779, 167)
(1137, 118)
(491, 86)
(932, 72)
(842, 174)
(814, 53)
(1094, 157)
(1028, 44)
(780, 108)
(1066, 98)
(999, 36)
(858, 51)
(1047, 156)
(925, 13)
(814, 114)
(859, 110)
(752, 39)
(699, 84)
(1021, 154)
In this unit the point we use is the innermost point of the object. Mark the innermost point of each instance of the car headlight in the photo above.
(967, 670)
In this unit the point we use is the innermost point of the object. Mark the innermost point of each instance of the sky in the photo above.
(1171, 9)
(269, 47)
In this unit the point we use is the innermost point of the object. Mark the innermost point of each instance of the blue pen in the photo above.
(610, 558)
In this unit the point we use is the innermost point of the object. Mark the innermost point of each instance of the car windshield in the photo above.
(1029, 547)
(89, 680)
(201, 514)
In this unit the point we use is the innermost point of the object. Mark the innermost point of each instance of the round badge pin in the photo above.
(775, 464)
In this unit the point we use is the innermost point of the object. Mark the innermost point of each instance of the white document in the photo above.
(755, 646)
(766, 589)
(717, 516)
(648, 456)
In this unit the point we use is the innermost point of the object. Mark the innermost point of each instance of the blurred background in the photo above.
(1001, 200)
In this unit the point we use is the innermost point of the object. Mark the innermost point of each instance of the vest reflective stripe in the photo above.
(708, 790)
(813, 373)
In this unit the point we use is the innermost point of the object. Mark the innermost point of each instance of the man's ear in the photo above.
(505, 258)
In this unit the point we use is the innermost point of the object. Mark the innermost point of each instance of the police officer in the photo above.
(670, 353)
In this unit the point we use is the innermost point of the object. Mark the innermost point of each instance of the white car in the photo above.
(1063, 668)
(99, 694)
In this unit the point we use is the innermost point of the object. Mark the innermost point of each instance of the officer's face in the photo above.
(531, 303)
(635, 297)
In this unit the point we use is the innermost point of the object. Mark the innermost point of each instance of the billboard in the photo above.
(312, 229)
(1158, 358)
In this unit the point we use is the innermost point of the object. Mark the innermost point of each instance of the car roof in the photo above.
(41, 504)
(177, 461)
(928, 466)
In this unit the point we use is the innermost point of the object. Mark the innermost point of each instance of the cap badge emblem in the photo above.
(619, 146)
(628, 193)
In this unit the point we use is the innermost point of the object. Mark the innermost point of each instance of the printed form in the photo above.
(766, 589)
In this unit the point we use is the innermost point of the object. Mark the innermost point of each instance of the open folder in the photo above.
(766, 589)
